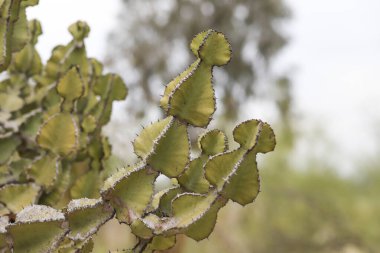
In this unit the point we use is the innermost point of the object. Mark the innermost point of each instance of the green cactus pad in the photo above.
(243, 185)
(44, 171)
(85, 216)
(131, 193)
(8, 145)
(213, 142)
(145, 141)
(161, 243)
(17, 196)
(38, 229)
(86, 186)
(190, 96)
(203, 227)
(170, 153)
(59, 134)
(193, 179)
(71, 87)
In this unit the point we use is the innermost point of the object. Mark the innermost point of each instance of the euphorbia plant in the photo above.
(57, 186)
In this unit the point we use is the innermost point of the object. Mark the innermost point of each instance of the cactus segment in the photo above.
(243, 185)
(38, 229)
(86, 186)
(193, 97)
(171, 151)
(193, 178)
(85, 216)
(188, 208)
(202, 228)
(175, 82)
(213, 142)
(131, 193)
(219, 167)
(44, 171)
(59, 134)
(144, 143)
(165, 203)
(8, 146)
(17, 196)
(71, 87)
(161, 243)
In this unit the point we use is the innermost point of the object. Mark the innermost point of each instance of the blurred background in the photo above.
(309, 68)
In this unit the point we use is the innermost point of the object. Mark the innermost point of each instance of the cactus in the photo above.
(55, 193)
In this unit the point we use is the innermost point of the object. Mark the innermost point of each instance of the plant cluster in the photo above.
(57, 187)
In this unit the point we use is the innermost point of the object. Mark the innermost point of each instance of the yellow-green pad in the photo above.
(86, 186)
(219, 167)
(44, 170)
(190, 207)
(85, 216)
(170, 153)
(145, 141)
(71, 86)
(243, 184)
(193, 179)
(17, 196)
(131, 193)
(194, 100)
(8, 145)
(213, 142)
(59, 134)
(203, 227)
(162, 242)
(38, 229)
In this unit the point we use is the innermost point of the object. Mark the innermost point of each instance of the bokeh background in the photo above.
(309, 68)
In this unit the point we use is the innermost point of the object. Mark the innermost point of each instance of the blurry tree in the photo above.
(253, 28)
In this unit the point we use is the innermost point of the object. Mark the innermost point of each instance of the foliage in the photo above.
(253, 26)
(55, 159)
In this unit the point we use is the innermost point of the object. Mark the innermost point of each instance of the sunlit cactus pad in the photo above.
(57, 188)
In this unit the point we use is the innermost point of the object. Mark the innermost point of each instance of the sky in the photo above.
(333, 57)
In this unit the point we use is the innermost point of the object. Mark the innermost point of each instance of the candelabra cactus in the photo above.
(53, 154)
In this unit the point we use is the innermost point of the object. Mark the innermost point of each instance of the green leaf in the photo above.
(31, 126)
(165, 203)
(173, 84)
(38, 229)
(193, 179)
(243, 185)
(71, 86)
(193, 100)
(213, 142)
(140, 230)
(130, 192)
(85, 216)
(170, 153)
(44, 171)
(219, 167)
(215, 49)
(162, 242)
(188, 208)
(8, 145)
(10, 102)
(202, 228)
(86, 186)
(20, 34)
(145, 141)
(89, 123)
(17, 196)
(79, 30)
(59, 134)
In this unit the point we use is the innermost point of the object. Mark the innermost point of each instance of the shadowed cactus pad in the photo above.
(57, 187)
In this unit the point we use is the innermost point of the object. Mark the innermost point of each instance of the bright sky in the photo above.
(334, 55)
